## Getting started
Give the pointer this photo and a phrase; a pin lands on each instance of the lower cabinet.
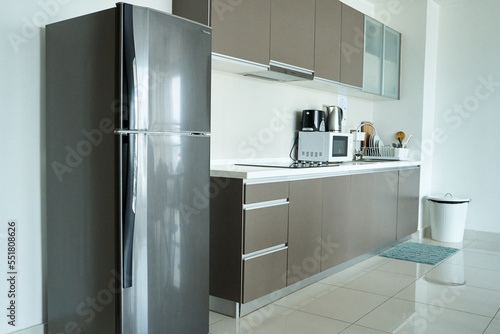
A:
(304, 229)
(373, 207)
(340, 237)
(265, 227)
(263, 274)
(226, 225)
(359, 215)
(248, 238)
(266, 236)
(408, 201)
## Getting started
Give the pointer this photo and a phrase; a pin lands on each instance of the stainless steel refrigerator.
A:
(127, 173)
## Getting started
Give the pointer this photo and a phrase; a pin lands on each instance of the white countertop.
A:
(253, 173)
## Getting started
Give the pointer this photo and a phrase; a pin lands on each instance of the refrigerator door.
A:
(166, 72)
(168, 286)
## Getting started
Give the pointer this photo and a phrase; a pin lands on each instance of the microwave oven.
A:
(325, 146)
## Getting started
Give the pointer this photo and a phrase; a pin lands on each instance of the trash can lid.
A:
(448, 199)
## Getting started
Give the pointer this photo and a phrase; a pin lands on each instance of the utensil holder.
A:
(401, 153)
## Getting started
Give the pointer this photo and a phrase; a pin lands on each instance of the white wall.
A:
(466, 159)
(429, 99)
(365, 6)
(409, 18)
(21, 135)
(258, 119)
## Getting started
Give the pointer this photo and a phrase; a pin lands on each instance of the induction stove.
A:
(290, 164)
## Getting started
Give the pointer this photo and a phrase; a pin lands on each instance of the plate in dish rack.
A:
(376, 143)
(380, 145)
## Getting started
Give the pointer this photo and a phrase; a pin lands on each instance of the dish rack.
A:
(376, 149)
(385, 153)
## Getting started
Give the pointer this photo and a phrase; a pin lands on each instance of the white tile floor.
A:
(381, 295)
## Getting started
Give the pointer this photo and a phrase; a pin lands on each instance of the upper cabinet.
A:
(242, 30)
(288, 40)
(292, 32)
(391, 65)
(194, 10)
(373, 53)
(381, 59)
(351, 55)
(327, 39)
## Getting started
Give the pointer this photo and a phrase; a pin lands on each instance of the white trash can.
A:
(448, 215)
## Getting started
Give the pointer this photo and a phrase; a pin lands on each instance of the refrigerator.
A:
(127, 156)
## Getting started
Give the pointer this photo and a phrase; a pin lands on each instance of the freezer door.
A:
(166, 289)
(166, 72)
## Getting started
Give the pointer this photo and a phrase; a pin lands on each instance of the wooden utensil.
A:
(400, 136)
(368, 130)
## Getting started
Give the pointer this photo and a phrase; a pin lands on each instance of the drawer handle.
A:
(263, 252)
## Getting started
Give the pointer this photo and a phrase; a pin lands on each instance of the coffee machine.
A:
(313, 120)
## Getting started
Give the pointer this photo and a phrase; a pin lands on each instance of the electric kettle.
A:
(335, 116)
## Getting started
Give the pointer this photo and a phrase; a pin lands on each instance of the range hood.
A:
(275, 71)
(282, 72)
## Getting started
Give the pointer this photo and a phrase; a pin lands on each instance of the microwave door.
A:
(339, 146)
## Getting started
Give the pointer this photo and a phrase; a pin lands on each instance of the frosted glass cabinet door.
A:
(392, 40)
(372, 63)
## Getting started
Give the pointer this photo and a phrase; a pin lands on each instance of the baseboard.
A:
(38, 329)
(468, 235)
(488, 236)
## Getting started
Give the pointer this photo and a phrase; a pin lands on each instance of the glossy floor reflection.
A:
(381, 295)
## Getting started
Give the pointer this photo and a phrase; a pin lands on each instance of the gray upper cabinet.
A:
(327, 39)
(292, 32)
(391, 64)
(241, 29)
(194, 10)
(351, 55)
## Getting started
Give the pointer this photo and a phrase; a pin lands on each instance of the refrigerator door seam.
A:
(167, 133)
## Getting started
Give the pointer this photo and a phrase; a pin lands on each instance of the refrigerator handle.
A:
(129, 198)
(129, 67)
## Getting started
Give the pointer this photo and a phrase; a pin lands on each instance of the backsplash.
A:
(258, 119)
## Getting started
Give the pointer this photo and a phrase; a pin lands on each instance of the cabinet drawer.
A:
(262, 192)
(264, 274)
(265, 227)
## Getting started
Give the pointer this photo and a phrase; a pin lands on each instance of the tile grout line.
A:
(364, 327)
(444, 307)
(491, 321)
